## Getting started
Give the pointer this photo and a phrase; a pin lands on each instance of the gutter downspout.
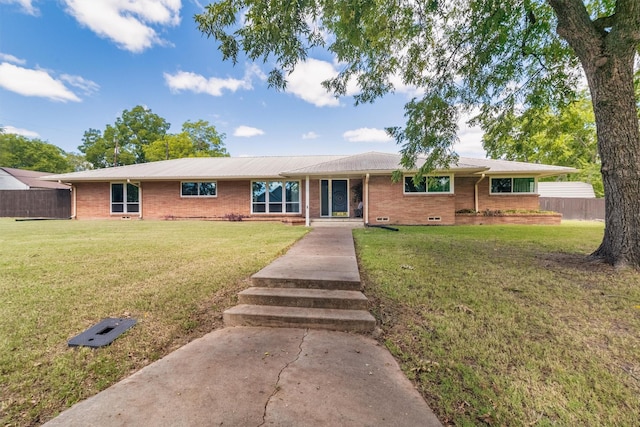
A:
(74, 210)
(366, 199)
(475, 193)
(307, 221)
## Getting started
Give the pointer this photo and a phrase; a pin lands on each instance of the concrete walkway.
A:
(257, 376)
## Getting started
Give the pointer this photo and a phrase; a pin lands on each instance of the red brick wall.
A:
(509, 219)
(464, 188)
(386, 199)
(314, 198)
(92, 200)
(465, 192)
(504, 201)
(162, 200)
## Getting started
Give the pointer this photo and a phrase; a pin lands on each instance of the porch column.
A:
(307, 222)
(365, 214)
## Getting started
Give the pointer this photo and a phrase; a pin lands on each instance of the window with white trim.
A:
(431, 184)
(198, 189)
(513, 185)
(275, 197)
(125, 198)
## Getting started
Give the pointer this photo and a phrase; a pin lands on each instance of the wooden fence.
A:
(574, 208)
(35, 203)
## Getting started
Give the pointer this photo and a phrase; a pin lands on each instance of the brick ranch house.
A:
(300, 189)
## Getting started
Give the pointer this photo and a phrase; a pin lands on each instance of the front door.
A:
(334, 198)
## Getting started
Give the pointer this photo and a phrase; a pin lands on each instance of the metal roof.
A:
(508, 166)
(275, 167)
(197, 168)
(32, 179)
(371, 162)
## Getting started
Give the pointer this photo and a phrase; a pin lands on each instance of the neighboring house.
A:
(304, 188)
(24, 194)
(20, 179)
(568, 189)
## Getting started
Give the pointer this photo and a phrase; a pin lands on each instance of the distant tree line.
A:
(137, 136)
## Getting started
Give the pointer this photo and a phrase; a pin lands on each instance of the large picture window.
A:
(125, 198)
(513, 185)
(275, 197)
(429, 184)
(198, 189)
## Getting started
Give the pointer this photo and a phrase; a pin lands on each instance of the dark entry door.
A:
(334, 197)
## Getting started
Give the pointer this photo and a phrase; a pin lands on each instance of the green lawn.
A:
(498, 325)
(508, 325)
(57, 278)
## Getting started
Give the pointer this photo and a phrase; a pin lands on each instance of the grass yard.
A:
(508, 325)
(57, 278)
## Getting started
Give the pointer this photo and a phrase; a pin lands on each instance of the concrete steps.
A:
(338, 222)
(309, 298)
(316, 284)
(300, 317)
(333, 309)
(312, 283)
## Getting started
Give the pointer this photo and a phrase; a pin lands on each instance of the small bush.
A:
(234, 217)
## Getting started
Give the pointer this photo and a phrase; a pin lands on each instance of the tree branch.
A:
(604, 22)
(576, 27)
(626, 30)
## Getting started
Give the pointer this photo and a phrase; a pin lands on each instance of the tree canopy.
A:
(495, 55)
(565, 137)
(197, 139)
(20, 152)
(140, 136)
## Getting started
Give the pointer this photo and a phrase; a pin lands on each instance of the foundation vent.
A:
(382, 219)
(434, 219)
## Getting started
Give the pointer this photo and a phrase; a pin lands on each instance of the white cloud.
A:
(253, 70)
(5, 57)
(86, 86)
(310, 135)
(400, 87)
(469, 138)
(30, 82)
(187, 81)
(247, 131)
(26, 5)
(305, 82)
(18, 131)
(128, 23)
(367, 135)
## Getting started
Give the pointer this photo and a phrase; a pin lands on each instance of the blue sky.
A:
(70, 65)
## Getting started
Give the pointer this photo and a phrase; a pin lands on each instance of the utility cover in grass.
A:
(103, 333)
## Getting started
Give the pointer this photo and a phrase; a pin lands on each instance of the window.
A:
(513, 185)
(198, 189)
(125, 198)
(275, 196)
(429, 184)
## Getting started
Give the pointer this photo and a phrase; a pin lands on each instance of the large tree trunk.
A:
(606, 48)
(614, 103)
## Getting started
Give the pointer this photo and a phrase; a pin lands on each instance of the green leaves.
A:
(140, 136)
(197, 139)
(564, 137)
(17, 151)
(490, 53)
